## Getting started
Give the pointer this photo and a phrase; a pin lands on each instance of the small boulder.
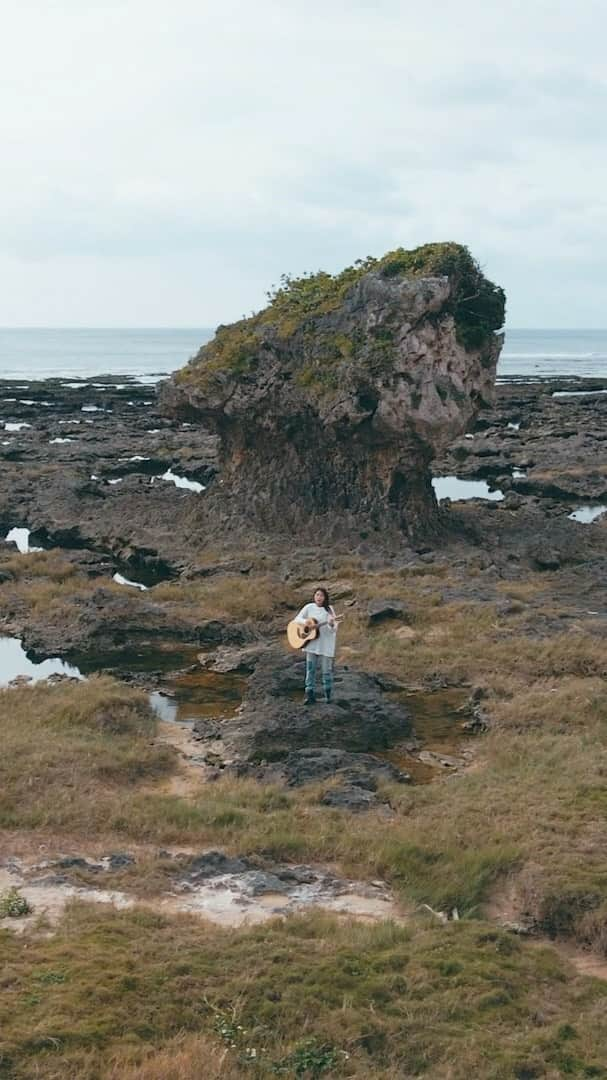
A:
(119, 859)
(231, 661)
(381, 610)
(546, 559)
(354, 799)
(215, 864)
(358, 770)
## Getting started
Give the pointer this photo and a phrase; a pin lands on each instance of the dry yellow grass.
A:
(187, 1057)
(235, 597)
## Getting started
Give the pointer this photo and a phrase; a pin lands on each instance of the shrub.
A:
(13, 905)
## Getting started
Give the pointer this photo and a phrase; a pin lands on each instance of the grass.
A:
(79, 759)
(73, 756)
(526, 826)
(50, 585)
(234, 597)
(312, 996)
(51, 565)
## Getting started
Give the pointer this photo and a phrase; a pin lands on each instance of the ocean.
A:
(79, 353)
(149, 353)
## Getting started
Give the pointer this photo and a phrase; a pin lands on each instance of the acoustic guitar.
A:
(299, 634)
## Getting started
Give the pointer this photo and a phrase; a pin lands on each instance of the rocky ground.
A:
(90, 468)
(84, 467)
(459, 769)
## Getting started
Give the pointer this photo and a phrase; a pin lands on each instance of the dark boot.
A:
(328, 697)
(310, 698)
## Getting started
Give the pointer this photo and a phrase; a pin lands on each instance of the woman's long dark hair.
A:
(326, 604)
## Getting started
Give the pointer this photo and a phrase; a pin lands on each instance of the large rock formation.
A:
(335, 398)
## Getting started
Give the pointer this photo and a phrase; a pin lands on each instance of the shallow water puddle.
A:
(451, 487)
(587, 514)
(198, 694)
(438, 727)
(185, 691)
(149, 657)
(120, 580)
(182, 697)
(14, 662)
(21, 537)
(183, 482)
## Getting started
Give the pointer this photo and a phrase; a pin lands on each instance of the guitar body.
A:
(299, 634)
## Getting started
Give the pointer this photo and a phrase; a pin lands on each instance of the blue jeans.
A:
(326, 666)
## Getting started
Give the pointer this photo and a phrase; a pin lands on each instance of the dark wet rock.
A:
(359, 770)
(381, 610)
(118, 860)
(260, 882)
(219, 632)
(546, 559)
(77, 862)
(512, 502)
(269, 725)
(48, 486)
(556, 444)
(215, 864)
(102, 621)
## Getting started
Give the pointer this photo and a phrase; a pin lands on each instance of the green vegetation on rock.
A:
(299, 303)
(477, 305)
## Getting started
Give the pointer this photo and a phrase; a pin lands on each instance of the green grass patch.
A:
(312, 996)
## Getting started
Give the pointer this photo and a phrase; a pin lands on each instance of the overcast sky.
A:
(164, 163)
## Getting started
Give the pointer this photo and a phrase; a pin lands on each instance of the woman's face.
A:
(319, 598)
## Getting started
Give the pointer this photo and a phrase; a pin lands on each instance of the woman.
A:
(322, 646)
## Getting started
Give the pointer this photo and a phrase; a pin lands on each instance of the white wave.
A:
(542, 354)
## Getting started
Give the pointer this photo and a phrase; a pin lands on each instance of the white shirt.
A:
(324, 644)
